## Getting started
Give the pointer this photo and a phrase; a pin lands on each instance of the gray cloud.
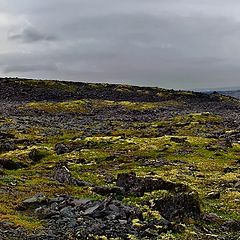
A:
(29, 68)
(30, 35)
(168, 43)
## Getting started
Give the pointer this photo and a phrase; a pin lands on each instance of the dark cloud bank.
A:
(155, 43)
(30, 35)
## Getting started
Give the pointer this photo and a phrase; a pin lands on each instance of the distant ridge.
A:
(234, 88)
(228, 91)
(17, 89)
(235, 93)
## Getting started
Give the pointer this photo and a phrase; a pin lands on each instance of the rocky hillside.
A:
(235, 93)
(99, 161)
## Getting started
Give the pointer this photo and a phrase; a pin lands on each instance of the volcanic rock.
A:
(179, 207)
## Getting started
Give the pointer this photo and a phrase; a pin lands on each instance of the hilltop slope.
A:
(101, 161)
(235, 93)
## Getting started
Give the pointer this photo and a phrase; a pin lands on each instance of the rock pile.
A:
(83, 218)
(137, 186)
(63, 175)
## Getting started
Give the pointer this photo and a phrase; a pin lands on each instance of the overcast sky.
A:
(182, 44)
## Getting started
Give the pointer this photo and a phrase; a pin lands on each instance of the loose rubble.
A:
(98, 161)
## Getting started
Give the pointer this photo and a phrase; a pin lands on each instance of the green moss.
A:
(86, 105)
(197, 161)
(5, 121)
(72, 106)
(48, 84)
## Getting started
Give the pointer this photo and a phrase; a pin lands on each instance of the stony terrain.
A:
(98, 161)
(234, 93)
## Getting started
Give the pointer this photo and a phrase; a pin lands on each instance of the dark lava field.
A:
(100, 161)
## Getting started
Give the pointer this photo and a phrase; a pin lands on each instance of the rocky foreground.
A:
(99, 161)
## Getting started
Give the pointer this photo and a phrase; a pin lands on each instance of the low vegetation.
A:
(98, 139)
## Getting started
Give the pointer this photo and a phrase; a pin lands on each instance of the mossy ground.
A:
(198, 161)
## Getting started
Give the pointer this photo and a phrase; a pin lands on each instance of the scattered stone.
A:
(211, 217)
(110, 158)
(155, 163)
(109, 179)
(32, 203)
(68, 218)
(228, 143)
(67, 212)
(212, 147)
(193, 168)
(113, 210)
(6, 225)
(133, 185)
(81, 218)
(4, 136)
(237, 185)
(36, 155)
(45, 213)
(10, 164)
(162, 226)
(200, 175)
(61, 148)
(179, 162)
(225, 184)
(105, 191)
(229, 169)
(231, 225)
(80, 161)
(63, 175)
(7, 146)
(80, 202)
(213, 195)
(178, 139)
(179, 207)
